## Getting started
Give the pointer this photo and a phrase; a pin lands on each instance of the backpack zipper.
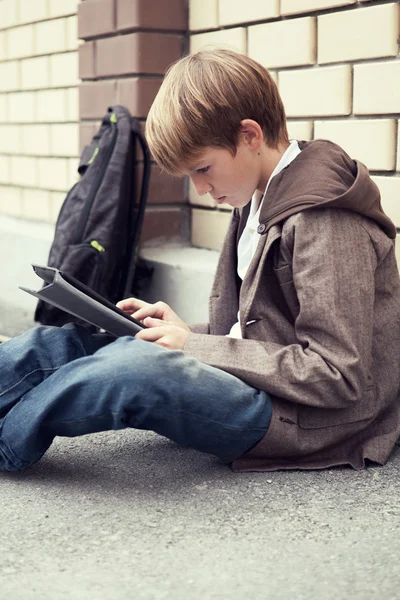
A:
(96, 185)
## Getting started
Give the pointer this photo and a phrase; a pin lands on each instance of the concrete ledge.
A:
(182, 278)
(182, 275)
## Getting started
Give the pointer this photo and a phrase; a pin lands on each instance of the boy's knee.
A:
(145, 358)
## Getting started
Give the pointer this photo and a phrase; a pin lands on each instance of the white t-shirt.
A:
(249, 239)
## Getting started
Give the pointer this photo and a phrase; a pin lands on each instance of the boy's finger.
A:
(131, 304)
(150, 310)
(151, 335)
(151, 322)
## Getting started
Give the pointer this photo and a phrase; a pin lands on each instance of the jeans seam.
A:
(27, 375)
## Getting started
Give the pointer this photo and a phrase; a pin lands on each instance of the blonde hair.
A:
(202, 101)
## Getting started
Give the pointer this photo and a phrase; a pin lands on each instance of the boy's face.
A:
(228, 179)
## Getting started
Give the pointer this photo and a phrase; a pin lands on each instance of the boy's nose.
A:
(202, 187)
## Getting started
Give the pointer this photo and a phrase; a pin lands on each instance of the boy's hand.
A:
(167, 335)
(161, 314)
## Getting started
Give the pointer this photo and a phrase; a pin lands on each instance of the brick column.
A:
(128, 45)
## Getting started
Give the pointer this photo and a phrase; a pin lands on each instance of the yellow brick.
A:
(236, 11)
(316, 92)
(358, 34)
(36, 205)
(398, 146)
(53, 174)
(3, 45)
(8, 13)
(61, 8)
(390, 194)
(10, 139)
(10, 201)
(22, 107)
(24, 171)
(72, 99)
(51, 106)
(64, 69)
(377, 88)
(35, 73)
(4, 116)
(291, 7)
(65, 139)
(300, 130)
(36, 140)
(234, 39)
(72, 33)
(51, 37)
(56, 201)
(32, 10)
(372, 142)
(20, 42)
(265, 42)
(5, 173)
(9, 76)
(203, 14)
(209, 228)
(197, 200)
(73, 176)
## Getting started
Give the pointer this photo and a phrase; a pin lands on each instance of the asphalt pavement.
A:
(131, 515)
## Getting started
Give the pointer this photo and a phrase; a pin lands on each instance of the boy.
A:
(298, 366)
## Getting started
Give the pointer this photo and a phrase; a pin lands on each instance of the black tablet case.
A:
(69, 294)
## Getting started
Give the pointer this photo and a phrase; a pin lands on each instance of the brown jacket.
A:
(323, 291)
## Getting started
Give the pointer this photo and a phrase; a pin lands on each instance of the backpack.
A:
(98, 228)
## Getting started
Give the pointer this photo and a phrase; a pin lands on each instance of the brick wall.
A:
(336, 63)
(337, 66)
(38, 106)
(128, 44)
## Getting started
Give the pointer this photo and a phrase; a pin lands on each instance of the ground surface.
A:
(129, 514)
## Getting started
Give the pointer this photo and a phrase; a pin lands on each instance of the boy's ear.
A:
(251, 133)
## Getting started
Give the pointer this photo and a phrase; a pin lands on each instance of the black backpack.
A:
(98, 228)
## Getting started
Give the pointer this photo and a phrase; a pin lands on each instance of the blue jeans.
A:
(67, 382)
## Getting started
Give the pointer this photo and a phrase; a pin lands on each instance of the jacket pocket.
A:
(284, 273)
(319, 418)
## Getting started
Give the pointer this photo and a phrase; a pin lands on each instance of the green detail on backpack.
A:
(97, 246)
(113, 118)
(95, 153)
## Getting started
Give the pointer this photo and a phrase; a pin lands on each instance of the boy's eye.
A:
(203, 170)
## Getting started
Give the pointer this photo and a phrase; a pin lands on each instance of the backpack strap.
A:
(137, 135)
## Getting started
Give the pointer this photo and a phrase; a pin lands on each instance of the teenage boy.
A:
(298, 366)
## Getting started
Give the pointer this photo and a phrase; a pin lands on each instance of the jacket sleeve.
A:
(200, 328)
(334, 264)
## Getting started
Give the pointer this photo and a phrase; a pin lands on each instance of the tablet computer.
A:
(69, 294)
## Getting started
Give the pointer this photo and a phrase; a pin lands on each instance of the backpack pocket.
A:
(84, 261)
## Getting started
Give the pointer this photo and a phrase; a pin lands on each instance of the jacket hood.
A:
(323, 176)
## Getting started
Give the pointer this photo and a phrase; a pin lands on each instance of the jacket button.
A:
(262, 228)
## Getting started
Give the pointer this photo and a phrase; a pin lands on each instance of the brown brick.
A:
(86, 132)
(162, 222)
(135, 53)
(95, 98)
(152, 14)
(96, 17)
(137, 94)
(87, 60)
(163, 188)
